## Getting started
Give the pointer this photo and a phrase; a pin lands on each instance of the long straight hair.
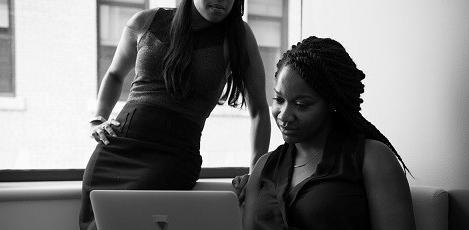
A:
(178, 58)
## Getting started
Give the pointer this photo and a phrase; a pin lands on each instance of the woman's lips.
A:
(216, 8)
(287, 131)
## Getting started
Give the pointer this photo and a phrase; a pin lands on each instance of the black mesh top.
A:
(208, 69)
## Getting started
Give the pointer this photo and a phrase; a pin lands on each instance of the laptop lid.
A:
(165, 210)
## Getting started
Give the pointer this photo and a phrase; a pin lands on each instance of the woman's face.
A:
(300, 113)
(214, 10)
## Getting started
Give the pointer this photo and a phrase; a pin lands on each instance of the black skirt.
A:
(155, 149)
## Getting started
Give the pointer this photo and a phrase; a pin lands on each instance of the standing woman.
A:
(335, 170)
(184, 58)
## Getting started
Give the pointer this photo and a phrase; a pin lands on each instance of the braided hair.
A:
(327, 67)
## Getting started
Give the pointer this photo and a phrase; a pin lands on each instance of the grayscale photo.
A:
(234, 115)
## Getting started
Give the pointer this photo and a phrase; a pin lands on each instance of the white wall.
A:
(416, 57)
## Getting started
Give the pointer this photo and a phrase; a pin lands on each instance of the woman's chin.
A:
(290, 139)
(215, 19)
(214, 16)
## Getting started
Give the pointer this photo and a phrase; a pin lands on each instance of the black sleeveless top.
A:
(208, 68)
(332, 198)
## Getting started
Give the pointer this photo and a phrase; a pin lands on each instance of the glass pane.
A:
(4, 14)
(6, 77)
(112, 21)
(267, 33)
(270, 57)
(265, 17)
(271, 8)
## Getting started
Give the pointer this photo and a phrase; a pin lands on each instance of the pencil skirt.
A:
(155, 149)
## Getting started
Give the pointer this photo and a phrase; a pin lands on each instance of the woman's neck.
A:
(315, 144)
(198, 21)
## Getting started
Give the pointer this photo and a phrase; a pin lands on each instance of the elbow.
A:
(114, 77)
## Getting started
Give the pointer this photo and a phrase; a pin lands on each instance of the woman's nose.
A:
(285, 114)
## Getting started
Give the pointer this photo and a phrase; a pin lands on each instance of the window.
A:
(268, 21)
(6, 49)
(58, 63)
(112, 18)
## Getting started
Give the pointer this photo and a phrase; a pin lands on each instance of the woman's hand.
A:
(98, 131)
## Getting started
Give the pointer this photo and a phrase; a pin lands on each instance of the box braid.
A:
(327, 67)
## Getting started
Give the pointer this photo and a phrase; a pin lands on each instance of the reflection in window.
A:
(268, 21)
(6, 50)
(112, 18)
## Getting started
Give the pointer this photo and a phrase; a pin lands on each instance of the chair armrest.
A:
(430, 207)
(458, 209)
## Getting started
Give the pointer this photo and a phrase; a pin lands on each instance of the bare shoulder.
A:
(379, 159)
(377, 149)
(247, 27)
(260, 164)
(140, 21)
(388, 193)
(250, 39)
(254, 58)
(261, 161)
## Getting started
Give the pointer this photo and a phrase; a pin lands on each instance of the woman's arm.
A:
(256, 99)
(388, 192)
(111, 85)
(240, 182)
(122, 62)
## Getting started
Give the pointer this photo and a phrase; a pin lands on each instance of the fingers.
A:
(114, 122)
(95, 136)
(102, 136)
(110, 131)
(99, 131)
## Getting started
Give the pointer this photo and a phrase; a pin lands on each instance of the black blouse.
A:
(332, 198)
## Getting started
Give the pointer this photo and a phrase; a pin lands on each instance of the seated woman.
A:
(336, 170)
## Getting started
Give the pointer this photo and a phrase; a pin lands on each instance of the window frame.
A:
(28, 175)
(10, 31)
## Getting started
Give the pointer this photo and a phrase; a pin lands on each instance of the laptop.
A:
(165, 210)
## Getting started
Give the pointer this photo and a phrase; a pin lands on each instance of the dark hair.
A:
(177, 61)
(327, 67)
